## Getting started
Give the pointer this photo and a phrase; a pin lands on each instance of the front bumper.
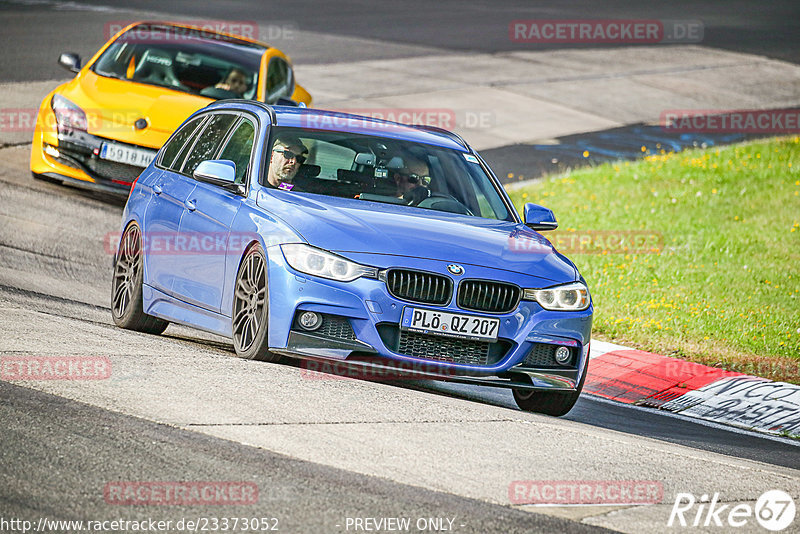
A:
(372, 342)
(75, 160)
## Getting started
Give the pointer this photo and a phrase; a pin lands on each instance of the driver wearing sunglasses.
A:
(287, 157)
(412, 181)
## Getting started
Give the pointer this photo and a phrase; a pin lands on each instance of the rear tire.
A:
(555, 403)
(250, 317)
(126, 289)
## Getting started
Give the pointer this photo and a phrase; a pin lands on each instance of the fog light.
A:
(310, 320)
(563, 355)
(50, 150)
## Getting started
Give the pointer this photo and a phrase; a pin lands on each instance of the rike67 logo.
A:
(774, 510)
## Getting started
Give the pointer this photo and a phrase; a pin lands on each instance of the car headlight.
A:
(569, 297)
(68, 115)
(317, 262)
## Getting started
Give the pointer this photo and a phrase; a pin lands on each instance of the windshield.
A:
(182, 59)
(382, 170)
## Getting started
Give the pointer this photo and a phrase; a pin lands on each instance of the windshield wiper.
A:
(110, 75)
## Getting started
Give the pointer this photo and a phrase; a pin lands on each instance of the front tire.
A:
(555, 403)
(250, 317)
(126, 289)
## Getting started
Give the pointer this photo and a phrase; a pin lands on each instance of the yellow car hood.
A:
(113, 106)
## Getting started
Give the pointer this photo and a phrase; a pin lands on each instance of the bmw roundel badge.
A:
(455, 269)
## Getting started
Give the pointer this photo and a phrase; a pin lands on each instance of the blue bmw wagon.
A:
(353, 241)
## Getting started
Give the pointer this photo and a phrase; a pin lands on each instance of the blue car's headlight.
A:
(569, 297)
(317, 262)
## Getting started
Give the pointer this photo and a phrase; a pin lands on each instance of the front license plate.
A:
(450, 324)
(139, 157)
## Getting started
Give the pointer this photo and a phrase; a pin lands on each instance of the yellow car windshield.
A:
(182, 59)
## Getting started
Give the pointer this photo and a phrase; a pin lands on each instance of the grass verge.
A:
(693, 254)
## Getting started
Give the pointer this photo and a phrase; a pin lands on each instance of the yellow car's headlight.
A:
(68, 115)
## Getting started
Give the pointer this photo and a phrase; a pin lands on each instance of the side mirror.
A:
(539, 218)
(221, 172)
(70, 61)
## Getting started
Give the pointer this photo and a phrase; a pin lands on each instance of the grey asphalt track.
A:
(58, 455)
(327, 32)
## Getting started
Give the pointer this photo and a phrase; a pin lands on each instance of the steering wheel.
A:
(444, 202)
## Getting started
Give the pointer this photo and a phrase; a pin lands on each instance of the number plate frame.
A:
(132, 155)
(425, 324)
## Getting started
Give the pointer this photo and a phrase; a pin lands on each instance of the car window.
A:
(177, 142)
(393, 171)
(181, 157)
(208, 141)
(330, 157)
(239, 147)
(183, 60)
(278, 80)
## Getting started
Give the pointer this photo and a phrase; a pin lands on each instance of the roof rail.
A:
(452, 135)
(266, 107)
(273, 117)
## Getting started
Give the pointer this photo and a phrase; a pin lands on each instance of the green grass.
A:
(724, 289)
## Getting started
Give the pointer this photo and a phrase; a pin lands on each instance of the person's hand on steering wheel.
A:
(412, 197)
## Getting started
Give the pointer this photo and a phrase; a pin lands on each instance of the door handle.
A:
(157, 189)
(190, 205)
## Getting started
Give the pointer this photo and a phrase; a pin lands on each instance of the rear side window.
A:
(175, 144)
(239, 147)
(209, 141)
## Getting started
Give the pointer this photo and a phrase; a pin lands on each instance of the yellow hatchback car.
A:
(103, 127)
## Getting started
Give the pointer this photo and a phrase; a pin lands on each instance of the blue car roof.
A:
(319, 119)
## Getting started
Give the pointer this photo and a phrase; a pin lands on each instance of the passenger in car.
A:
(287, 157)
